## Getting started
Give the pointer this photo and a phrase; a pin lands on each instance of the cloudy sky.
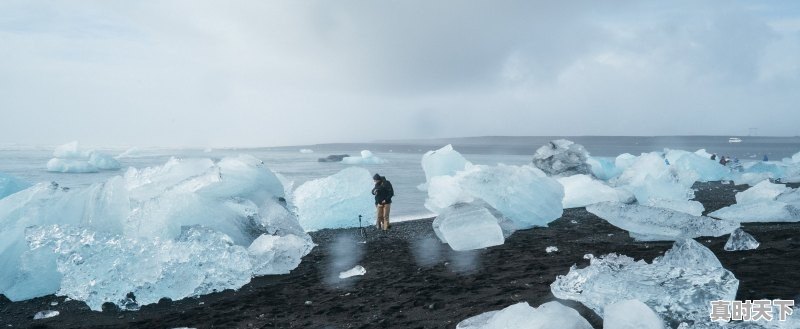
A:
(262, 73)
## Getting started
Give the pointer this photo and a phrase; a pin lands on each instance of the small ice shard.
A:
(551, 249)
(335, 201)
(763, 191)
(45, 314)
(582, 190)
(103, 161)
(306, 151)
(355, 271)
(366, 158)
(468, 226)
(763, 211)
(630, 314)
(523, 316)
(443, 162)
(562, 157)
(53, 303)
(678, 286)
(741, 240)
(10, 185)
(658, 224)
(70, 166)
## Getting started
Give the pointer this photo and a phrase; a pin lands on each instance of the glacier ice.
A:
(624, 160)
(366, 158)
(630, 314)
(468, 226)
(658, 224)
(70, 166)
(751, 178)
(692, 164)
(523, 194)
(764, 167)
(69, 150)
(170, 219)
(551, 249)
(562, 157)
(703, 153)
(103, 161)
(355, 271)
(762, 211)
(443, 162)
(762, 191)
(694, 208)
(45, 314)
(603, 168)
(69, 158)
(523, 316)
(678, 286)
(10, 185)
(648, 176)
(582, 190)
(740, 240)
(335, 201)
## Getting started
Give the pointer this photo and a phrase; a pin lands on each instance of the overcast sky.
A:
(263, 73)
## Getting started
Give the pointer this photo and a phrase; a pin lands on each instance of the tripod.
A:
(362, 230)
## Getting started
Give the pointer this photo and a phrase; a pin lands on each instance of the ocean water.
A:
(403, 167)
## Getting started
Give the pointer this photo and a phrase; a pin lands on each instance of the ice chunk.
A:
(562, 157)
(649, 177)
(791, 196)
(764, 167)
(366, 158)
(69, 150)
(70, 166)
(740, 240)
(624, 160)
(693, 208)
(603, 168)
(45, 314)
(751, 178)
(763, 211)
(657, 224)
(273, 254)
(703, 153)
(130, 153)
(103, 161)
(763, 191)
(551, 249)
(335, 201)
(523, 194)
(306, 151)
(10, 185)
(355, 271)
(678, 286)
(523, 316)
(467, 226)
(443, 162)
(583, 190)
(688, 164)
(630, 314)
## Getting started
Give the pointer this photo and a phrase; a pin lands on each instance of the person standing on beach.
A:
(383, 193)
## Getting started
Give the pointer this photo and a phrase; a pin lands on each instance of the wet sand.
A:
(413, 281)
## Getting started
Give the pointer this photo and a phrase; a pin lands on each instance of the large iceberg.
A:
(10, 185)
(630, 314)
(468, 226)
(188, 227)
(523, 194)
(658, 224)
(335, 201)
(582, 190)
(523, 316)
(562, 157)
(678, 286)
(366, 158)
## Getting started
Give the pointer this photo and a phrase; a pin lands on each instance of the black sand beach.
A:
(412, 281)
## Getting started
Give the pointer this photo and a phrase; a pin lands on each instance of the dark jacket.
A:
(383, 191)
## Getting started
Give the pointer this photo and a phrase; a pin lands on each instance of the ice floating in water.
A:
(177, 230)
(335, 201)
(657, 224)
(740, 240)
(523, 316)
(45, 314)
(583, 190)
(443, 162)
(306, 151)
(763, 211)
(630, 314)
(70, 166)
(103, 161)
(69, 150)
(678, 286)
(366, 158)
(355, 271)
(68, 158)
(10, 185)
(523, 194)
(562, 157)
(468, 226)
(551, 249)
(130, 153)
(763, 191)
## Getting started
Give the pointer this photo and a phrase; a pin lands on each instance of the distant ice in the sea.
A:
(69, 158)
(335, 201)
(366, 158)
(740, 240)
(678, 286)
(646, 223)
(306, 151)
(468, 226)
(562, 157)
(630, 314)
(355, 271)
(523, 316)
(10, 185)
(177, 230)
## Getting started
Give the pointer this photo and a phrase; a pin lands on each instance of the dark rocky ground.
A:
(412, 281)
